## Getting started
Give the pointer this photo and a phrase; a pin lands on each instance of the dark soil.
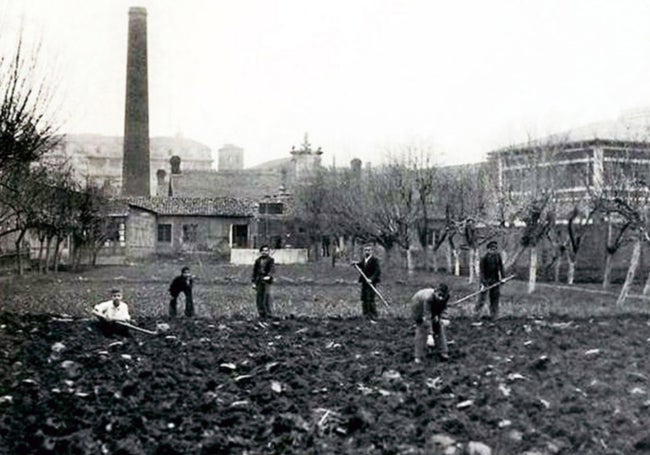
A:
(324, 386)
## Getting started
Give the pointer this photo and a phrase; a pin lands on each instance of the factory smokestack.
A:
(135, 167)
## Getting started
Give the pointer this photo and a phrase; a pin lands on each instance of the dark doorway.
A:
(240, 236)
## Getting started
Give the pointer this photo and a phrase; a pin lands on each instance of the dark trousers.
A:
(494, 300)
(263, 300)
(189, 305)
(368, 305)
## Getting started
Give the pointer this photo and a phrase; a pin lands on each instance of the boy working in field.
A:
(262, 278)
(182, 284)
(430, 302)
(111, 312)
(369, 269)
(491, 272)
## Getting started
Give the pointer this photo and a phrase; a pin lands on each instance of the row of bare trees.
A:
(411, 204)
(397, 205)
(38, 198)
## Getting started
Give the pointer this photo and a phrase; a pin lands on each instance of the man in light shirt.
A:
(112, 311)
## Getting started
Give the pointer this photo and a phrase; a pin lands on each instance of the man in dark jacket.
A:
(263, 270)
(182, 284)
(491, 272)
(430, 302)
(369, 265)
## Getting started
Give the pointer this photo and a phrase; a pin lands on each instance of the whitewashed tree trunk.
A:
(433, 254)
(456, 262)
(629, 278)
(470, 260)
(410, 260)
(556, 269)
(607, 274)
(474, 262)
(449, 258)
(532, 271)
(571, 273)
(646, 288)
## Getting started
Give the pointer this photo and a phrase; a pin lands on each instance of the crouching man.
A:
(430, 302)
(183, 283)
(110, 313)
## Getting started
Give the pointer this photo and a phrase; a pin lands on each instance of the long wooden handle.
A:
(372, 286)
(498, 283)
(135, 327)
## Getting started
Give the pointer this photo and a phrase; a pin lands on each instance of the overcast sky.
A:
(463, 77)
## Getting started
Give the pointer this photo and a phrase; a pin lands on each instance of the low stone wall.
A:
(283, 256)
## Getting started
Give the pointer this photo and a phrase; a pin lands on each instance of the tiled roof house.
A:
(168, 225)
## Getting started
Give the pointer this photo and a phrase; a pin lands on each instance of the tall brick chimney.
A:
(135, 167)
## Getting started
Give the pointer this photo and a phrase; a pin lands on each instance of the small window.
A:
(165, 233)
(189, 233)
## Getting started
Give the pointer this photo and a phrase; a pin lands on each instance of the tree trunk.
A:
(93, 261)
(48, 254)
(557, 268)
(449, 259)
(629, 278)
(646, 288)
(571, 273)
(470, 262)
(430, 254)
(456, 262)
(410, 260)
(41, 247)
(389, 255)
(316, 250)
(19, 257)
(78, 253)
(474, 264)
(607, 274)
(532, 271)
(57, 253)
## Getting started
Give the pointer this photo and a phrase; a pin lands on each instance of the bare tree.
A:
(539, 218)
(462, 190)
(92, 227)
(57, 216)
(579, 221)
(311, 208)
(622, 200)
(27, 129)
(531, 196)
(22, 194)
